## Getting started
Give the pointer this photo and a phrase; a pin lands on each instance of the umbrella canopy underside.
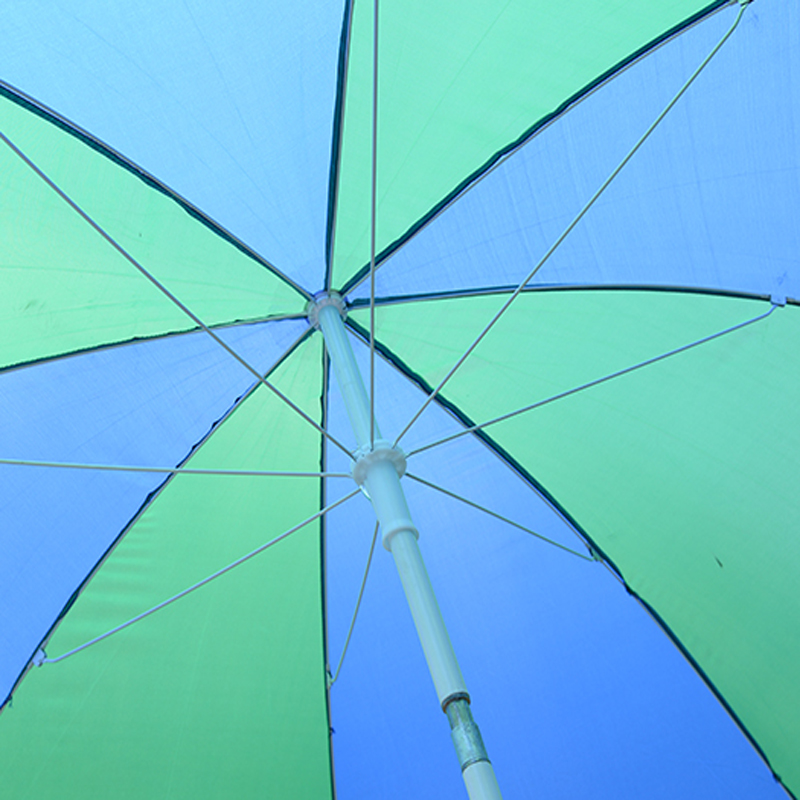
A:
(647, 377)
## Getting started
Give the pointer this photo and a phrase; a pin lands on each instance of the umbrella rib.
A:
(42, 659)
(373, 224)
(169, 335)
(508, 152)
(19, 97)
(336, 143)
(166, 292)
(485, 291)
(569, 227)
(590, 384)
(152, 496)
(477, 506)
(332, 679)
(19, 462)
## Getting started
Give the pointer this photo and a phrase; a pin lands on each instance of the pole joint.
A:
(465, 733)
(453, 697)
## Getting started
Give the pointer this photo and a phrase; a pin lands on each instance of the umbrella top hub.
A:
(381, 451)
(320, 301)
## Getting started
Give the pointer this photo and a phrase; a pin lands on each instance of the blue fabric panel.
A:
(580, 690)
(709, 201)
(142, 404)
(230, 105)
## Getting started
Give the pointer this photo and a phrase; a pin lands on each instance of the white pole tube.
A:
(378, 469)
(400, 538)
(481, 780)
(347, 372)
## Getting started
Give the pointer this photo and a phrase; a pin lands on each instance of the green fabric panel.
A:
(685, 472)
(64, 288)
(222, 693)
(459, 83)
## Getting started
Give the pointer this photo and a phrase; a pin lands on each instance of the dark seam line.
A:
(336, 140)
(151, 496)
(529, 134)
(137, 339)
(31, 105)
(698, 669)
(323, 532)
(465, 420)
(528, 478)
(388, 300)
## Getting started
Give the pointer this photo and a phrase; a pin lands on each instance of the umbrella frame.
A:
(377, 469)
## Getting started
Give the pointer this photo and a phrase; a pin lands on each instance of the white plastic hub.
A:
(366, 456)
(320, 301)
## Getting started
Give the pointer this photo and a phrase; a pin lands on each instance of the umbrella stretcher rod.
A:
(378, 468)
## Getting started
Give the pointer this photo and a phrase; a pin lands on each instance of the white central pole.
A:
(378, 468)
